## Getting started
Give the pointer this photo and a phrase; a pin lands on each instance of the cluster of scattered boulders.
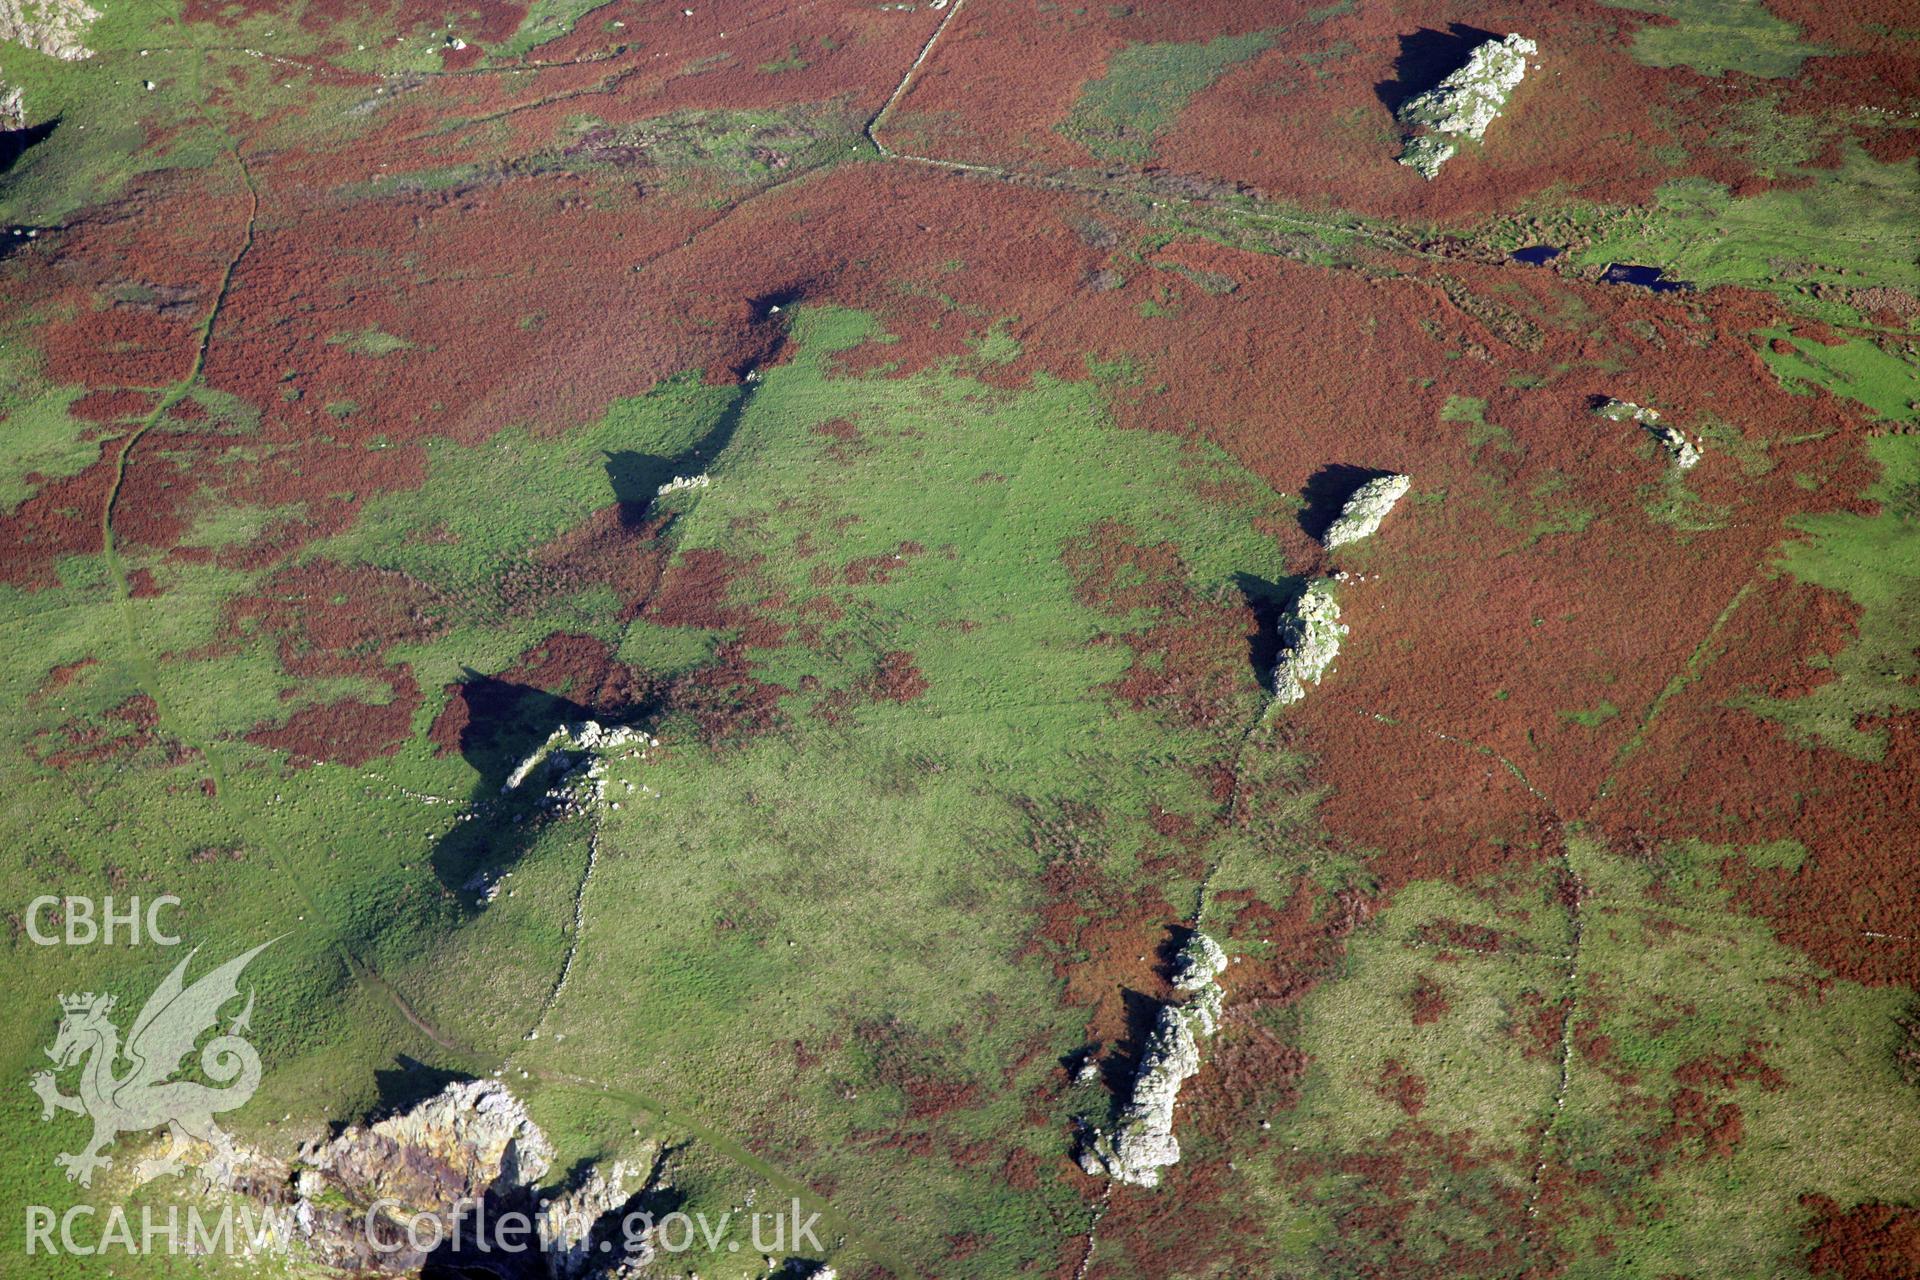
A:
(1684, 452)
(574, 758)
(678, 483)
(1463, 104)
(1142, 1142)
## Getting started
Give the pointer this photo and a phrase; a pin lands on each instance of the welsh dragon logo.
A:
(144, 1095)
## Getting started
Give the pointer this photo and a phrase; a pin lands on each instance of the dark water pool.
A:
(1653, 278)
(1536, 254)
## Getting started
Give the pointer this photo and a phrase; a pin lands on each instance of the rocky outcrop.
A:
(13, 109)
(678, 483)
(461, 1159)
(56, 28)
(574, 1253)
(472, 1140)
(1142, 1141)
(1310, 640)
(1684, 452)
(1463, 104)
(1365, 510)
(1200, 962)
(573, 747)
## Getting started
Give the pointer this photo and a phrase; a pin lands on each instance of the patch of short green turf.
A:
(1718, 36)
(1675, 985)
(1875, 561)
(1145, 87)
(372, 341)
(43, 441)
(546, 21)
(1847, 226)
(1859, 369)
(825, 934)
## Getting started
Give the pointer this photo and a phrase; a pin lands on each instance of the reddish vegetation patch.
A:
(1202, 1211)
(1374, 1195)
(1310, 119)
(725, 700)
(328, 620)
(1870, 1241)
(616, 546)
(350, 731)
(1190, 663)
(62, 675)
(1711, 771)
(894, 678)
(1427, 1001)
(1433, 808)
(699, 589)
(880, 568)
(131, 726)
(580, 670)
(61, 519)
(1402, 1087)
(1252, 1073)
(1539, 1026)
(903, 1058)
(113, 406)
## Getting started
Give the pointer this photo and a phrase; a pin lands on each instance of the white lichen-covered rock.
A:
(1465, 103)
(1203, 1011)
(1366, 509)
(1684, 452)
(13, 109)
(1199, 963)
(586, 736)
(575, 1227)
(678, 483)
(1426, 153)
(1142, 1143)
(56, 28)
(1310, 640)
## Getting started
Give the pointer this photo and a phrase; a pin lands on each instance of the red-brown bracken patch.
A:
(1402, 1087)
(580, 670)
(1428, 1000)
(726, 701)
(701, 588)
(351, 731)
(894, 678)
(58, 677)
(1870, 1241)
(113, 406)
(1309, 119)
(1712, 771)
(328, 620)
(129, 727)
(1190, 663)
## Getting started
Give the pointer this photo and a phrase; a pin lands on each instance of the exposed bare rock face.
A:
(462, 1160)
(1463, 104)
(472, 1141)
(1310, 639)
(1142, 1141)
(1365, 510)
(56, 28)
